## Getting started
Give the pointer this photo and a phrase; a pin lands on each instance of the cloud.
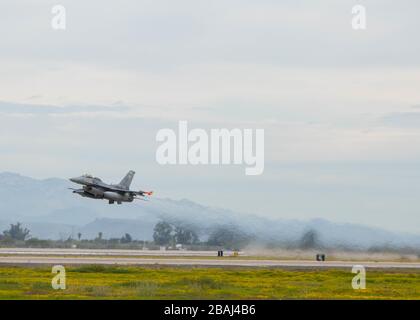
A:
(162, 34)
(403, 119)
(91, 98)
(35, 109)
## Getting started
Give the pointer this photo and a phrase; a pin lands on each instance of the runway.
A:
(176, 258)
(107, 252)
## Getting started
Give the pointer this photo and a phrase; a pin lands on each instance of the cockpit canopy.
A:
(91, 177)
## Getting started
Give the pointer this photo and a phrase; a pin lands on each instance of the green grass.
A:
(111, 282)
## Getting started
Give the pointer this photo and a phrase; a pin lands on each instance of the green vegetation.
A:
(162, 233)
(175, 235)
(110, 282)
(165, 233)
(229, 237)
(310, 240)
(15, 233)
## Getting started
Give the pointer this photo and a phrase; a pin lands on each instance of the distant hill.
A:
(50, 210)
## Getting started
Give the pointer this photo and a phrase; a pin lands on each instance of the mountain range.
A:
(51, 211)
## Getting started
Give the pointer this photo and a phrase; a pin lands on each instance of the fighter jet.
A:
(94, 188)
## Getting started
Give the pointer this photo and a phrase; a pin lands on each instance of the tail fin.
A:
(126, 182)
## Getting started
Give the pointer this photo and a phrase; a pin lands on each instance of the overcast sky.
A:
(340, 108)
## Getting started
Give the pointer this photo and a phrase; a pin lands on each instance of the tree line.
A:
(226, 236)
(164, 234)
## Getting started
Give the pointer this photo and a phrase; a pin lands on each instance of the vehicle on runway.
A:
(95, 188)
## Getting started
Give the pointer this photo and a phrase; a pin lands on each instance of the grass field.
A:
(109, 282)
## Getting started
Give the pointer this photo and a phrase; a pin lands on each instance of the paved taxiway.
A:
(173, 258)
(106, 252)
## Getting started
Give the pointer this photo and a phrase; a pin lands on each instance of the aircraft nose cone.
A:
(75, 180)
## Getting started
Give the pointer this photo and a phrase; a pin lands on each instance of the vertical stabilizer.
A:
(126, 182)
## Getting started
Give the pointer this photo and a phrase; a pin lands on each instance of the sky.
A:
(340, 107)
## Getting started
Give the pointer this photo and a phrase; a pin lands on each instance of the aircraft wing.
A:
(109, 187)
(116, 188)
(121, 190)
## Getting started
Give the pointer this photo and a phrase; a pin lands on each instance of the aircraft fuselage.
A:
(94, 188)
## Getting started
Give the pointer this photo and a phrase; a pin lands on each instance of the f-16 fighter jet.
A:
(94, 188)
